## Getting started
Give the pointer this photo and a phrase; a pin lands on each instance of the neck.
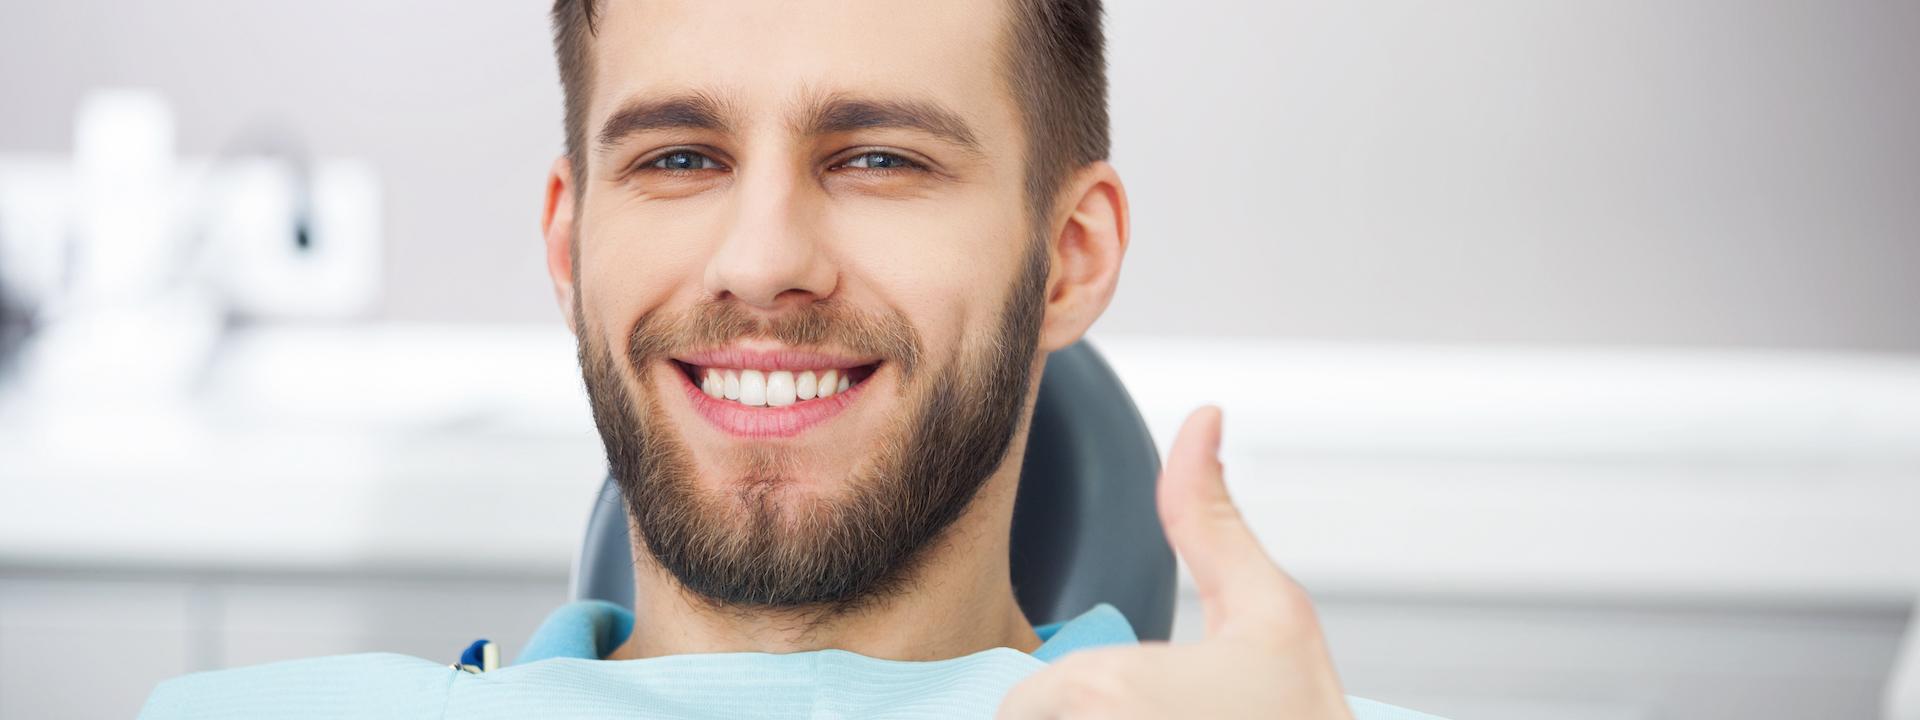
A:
(958, 600)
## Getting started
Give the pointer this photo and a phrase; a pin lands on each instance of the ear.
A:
(1087, 246)
(557, 225)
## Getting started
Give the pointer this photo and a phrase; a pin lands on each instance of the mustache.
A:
(829, 323)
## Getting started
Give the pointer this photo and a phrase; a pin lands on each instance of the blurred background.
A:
(1570, 351)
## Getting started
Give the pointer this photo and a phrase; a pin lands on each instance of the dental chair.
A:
(1084, 526)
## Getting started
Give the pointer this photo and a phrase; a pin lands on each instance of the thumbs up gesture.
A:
(1263, 656)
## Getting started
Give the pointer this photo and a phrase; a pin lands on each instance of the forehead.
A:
(767, 55)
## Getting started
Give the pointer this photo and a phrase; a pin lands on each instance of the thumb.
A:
(1232, 573)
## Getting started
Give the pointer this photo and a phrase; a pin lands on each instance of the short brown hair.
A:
(1055, 60)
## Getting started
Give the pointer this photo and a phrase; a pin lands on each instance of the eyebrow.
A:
(697, 111)
(829, 115)
(841, 114)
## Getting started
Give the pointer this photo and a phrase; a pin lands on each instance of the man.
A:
(815, 255)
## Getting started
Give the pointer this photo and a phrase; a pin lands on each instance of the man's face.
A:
(806, 288)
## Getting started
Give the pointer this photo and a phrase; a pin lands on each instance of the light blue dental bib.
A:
(560, 675)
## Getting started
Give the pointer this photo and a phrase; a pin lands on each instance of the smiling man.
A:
(815, 255)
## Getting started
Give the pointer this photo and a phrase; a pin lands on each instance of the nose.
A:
(771, 255)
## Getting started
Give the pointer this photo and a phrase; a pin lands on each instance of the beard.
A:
(744, 542)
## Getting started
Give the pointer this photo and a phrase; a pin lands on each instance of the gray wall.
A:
(1650, 171)
(1705, 173)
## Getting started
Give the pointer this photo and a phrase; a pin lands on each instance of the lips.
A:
(771, 394)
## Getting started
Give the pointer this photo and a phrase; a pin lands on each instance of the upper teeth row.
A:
(779, 388)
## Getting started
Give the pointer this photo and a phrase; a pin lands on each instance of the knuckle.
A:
(1286, 591)
(1205, 513)
(1294, 600)
(1220, 509)
(1294, 615)
(1094, 683)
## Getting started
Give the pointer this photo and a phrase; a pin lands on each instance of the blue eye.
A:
(683, 160)
(879, 161)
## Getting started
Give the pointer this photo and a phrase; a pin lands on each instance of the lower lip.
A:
(767, 422)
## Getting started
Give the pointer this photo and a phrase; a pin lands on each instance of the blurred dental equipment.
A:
(121, 264)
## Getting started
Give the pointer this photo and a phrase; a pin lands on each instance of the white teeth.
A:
(772, 388)
(753, 387)
(780, 390)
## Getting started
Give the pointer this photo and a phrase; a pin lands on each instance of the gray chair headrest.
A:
(1084, 526)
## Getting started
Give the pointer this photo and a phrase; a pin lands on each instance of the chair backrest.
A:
(1084, 526)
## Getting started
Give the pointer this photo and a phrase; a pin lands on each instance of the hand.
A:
(1263, 655)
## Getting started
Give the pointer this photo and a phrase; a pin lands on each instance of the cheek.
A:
(945, 264)
(635, 259)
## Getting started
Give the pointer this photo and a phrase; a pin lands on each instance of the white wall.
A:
(1703, 172)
